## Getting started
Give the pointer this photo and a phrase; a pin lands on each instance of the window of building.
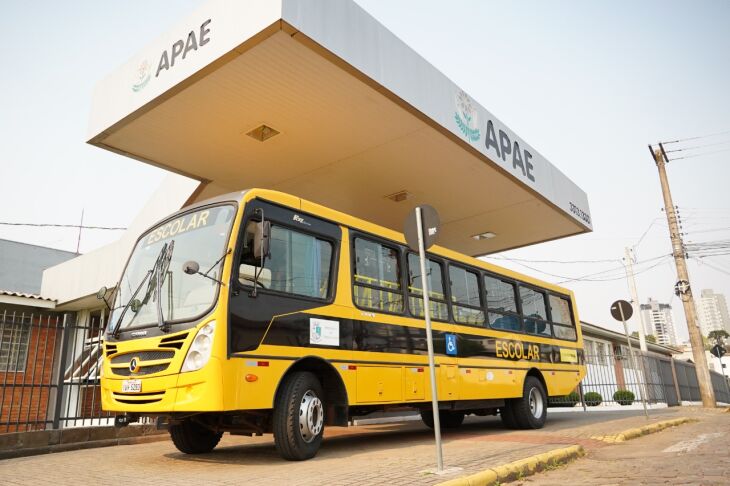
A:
(466, 304)
(436, 295)
(377, 277)
(501, 304)
(602, 353)
(589, 351)
(534, 312)
(299, 263)
(14, 342)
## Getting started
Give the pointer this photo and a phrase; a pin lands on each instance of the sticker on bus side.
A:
(323, 332)
(568, 355)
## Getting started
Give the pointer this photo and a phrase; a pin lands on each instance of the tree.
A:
(718, 336)
(650, 338)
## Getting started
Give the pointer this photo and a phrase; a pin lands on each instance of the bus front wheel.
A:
(528, 411)
(192, 438)
(298, 420)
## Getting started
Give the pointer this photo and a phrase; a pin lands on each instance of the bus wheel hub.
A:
(311, 416)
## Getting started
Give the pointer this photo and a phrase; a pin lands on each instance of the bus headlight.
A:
(199, 352)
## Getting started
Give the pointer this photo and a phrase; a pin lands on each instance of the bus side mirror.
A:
(262, 235)
(101, 293)
(191, 267)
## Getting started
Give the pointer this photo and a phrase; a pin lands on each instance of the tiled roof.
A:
(23, 294)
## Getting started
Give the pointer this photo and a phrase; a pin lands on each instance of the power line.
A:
(697, 138)
(587, 277)
(699, 155)
(51, 225)
(695, 147)
(552, 261)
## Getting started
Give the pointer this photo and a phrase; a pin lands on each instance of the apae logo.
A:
(144, 73)
(466, 117)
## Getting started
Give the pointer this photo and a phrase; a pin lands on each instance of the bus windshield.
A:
(200, 236)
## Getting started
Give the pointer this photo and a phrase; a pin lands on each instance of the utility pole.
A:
(682, 287)
(635, 297)
(81, 225)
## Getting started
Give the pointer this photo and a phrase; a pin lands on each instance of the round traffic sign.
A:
(621, 310)
(430, 223)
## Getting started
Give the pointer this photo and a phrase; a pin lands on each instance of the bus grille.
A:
(144, 370)
(143, 356)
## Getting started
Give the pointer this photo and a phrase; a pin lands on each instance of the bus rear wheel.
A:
(449, 420)
(298, 420)
(530, 411)
(192, 438)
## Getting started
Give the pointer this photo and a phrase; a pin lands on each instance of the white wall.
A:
(84, 275)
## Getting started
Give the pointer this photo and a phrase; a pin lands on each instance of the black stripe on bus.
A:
(293, 330)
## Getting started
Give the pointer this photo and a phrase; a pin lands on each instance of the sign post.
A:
(622, 310)
(421, 232)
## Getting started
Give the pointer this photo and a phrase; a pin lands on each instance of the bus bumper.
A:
(196, 391)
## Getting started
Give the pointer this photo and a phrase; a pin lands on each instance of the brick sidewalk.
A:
(393, 454)
(693, 454)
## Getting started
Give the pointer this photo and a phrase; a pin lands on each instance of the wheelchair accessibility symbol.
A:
(451, 344)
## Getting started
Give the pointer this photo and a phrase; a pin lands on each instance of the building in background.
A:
(657, 319)
(713, 313)
(22, 265)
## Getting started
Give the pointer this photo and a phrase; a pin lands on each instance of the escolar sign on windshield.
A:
(180, 225)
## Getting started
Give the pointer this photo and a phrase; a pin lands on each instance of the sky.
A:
(588, 84)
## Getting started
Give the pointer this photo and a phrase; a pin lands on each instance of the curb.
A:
(518, 469)
(639, 431)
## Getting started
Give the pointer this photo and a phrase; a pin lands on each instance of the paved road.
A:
(393, 454)
(692, 454)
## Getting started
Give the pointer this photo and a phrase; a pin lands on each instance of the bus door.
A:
(298, 274)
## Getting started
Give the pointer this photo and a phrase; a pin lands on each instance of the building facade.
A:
(713, 313)
(657, 319)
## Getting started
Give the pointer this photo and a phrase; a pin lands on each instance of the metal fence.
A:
(613, 379)
(49, 371)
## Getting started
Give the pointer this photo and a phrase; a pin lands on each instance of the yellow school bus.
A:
(259, 312)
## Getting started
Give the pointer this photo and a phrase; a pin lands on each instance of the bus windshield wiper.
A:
(115, 330)
(151, 276)
(161, 274)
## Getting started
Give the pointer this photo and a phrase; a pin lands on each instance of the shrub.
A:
(624, 397)
(593, 399)
(565, 401)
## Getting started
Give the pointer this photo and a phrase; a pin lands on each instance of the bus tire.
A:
(507, 415)
(449, 420)
(298, 421)
(192, 438)
(530, 411)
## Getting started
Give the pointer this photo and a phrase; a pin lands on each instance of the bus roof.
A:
(319, 100)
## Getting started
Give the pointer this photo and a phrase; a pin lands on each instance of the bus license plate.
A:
(131, 386)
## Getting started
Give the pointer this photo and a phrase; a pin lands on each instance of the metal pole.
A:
(429, 343)
(695, 337)
(633, 359)
(635, 297)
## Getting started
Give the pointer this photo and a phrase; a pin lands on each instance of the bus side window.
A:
(436, 294)
(298, 263)
(502, 304)
(465, 302)
(534, 312)
(376, 277)
(563, 325)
